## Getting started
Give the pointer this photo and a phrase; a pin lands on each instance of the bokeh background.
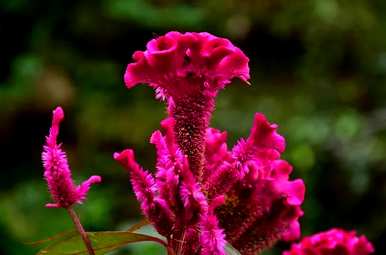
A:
(318, 69)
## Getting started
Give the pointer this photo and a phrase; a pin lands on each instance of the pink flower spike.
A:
(212, 237)
(57, 171)
(142, 181)
(153, 207)
(166, 178)
(334, 241)
(194, 201)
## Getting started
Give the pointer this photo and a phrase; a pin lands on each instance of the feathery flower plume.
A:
(145, 188)
(57, 171)
(334, 241)
(188, 70)
(212, 237)
(246, 197)
(183, 203)
(262, 205)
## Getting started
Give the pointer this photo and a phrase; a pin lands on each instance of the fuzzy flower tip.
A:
(334, 241)
(57, 171)
(187, 70)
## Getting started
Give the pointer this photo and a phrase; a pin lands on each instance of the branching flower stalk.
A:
(57, 173)
(202, 194)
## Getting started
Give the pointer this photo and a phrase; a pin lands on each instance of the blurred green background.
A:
(318, 69)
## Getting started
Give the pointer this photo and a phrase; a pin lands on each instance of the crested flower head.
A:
(334, 241)
(57, 171)
(188, 69)
(183, 64)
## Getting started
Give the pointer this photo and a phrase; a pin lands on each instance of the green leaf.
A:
(60, 236)
(138, 225)
(102, 243)
(230, 250)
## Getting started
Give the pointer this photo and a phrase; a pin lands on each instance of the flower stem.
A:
(192, 115)
(170, 250)
(81, 231)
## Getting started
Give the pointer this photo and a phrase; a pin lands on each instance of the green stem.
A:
(81, 230)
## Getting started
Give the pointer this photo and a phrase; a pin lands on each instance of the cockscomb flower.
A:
(246, 197)
(210, 194)
(331, 242)
(172, 199)
(188, 69)
(57, 172)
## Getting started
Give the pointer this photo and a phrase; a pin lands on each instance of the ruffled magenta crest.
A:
(57, 171)
(185, 63)
(334, 241)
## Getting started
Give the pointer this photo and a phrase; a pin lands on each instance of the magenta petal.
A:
(293, 232)
(281, 170)
(136, 72)
(235, 63)
(264, 135)
(294, 191)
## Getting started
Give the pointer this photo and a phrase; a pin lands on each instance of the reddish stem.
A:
(170, 250)
(81, 230)
(192, 115)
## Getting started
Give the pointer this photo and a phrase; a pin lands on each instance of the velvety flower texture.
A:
(245, 197)
(57, 172)
(203, 194)
(188, 70)
(332, 242)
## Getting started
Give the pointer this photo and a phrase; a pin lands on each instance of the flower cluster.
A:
(57, 172)
(334, 241)
(203, 194)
